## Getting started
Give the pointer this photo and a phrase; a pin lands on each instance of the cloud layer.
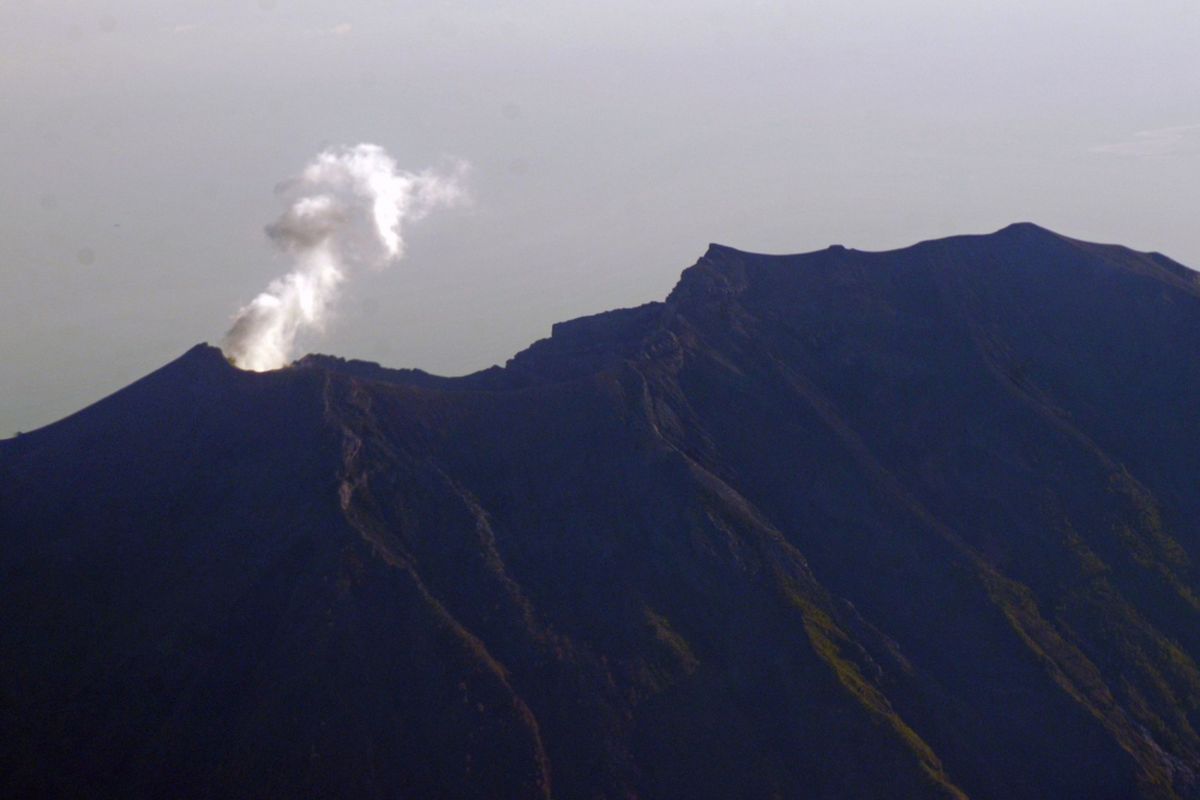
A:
(1155, 142)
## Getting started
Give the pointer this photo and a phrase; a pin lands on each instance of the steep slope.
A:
(844, 524)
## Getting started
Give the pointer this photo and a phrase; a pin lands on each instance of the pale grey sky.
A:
(610, 142)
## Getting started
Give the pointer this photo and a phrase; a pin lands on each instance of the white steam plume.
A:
(345, 210)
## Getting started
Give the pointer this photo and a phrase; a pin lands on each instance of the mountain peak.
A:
(716, 250)
(202, 356)
(1027, 229)
(1023, 230)
(701, 548)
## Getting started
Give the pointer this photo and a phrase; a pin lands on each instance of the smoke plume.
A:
(345, 210)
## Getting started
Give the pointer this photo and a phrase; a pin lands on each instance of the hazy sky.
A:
(610, 141)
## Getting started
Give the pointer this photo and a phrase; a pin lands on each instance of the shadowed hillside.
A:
(843, 524)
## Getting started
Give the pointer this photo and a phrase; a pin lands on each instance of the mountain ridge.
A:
(716, 253)
(918, 523)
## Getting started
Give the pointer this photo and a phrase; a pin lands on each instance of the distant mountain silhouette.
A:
(910, 524)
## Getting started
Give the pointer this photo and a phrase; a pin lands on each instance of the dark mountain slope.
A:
(845, 524)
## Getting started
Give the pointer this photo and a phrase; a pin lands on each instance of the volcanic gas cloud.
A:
(346, 210)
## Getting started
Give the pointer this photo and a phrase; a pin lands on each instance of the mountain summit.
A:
(909, 524)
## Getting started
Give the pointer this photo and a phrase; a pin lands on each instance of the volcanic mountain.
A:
(910, 524)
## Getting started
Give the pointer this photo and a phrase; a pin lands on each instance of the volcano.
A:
(911, 524)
